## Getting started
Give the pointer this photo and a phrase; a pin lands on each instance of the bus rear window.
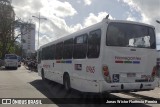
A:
(130, 35)
(10, 57)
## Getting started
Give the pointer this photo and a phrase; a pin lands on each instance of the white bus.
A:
(11, 61)
(109, 56)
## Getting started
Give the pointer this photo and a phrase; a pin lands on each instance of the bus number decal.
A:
(90, 69)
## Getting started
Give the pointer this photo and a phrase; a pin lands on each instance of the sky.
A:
(68, 16)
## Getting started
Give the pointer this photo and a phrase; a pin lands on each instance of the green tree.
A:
(6, 21)
(8, 25)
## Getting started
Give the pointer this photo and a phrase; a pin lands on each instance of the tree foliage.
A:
(8, 25)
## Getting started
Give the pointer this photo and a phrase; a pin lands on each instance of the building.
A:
(28, 39)
(7, 13)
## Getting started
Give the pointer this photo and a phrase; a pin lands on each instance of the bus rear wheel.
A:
(66, 82)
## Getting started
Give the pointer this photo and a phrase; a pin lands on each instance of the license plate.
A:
(11, 64)
(131, 74)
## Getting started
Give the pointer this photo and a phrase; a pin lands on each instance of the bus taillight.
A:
(105, 71)
(154, 71)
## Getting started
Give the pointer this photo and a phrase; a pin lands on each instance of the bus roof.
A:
(97, 25)
(10, 54)
(131, 22)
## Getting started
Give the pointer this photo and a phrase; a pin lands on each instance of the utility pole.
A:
(39, 21)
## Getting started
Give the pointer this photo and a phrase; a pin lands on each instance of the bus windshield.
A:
(10, 57)
(130, 35)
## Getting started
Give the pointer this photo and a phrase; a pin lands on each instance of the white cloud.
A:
(149, 11)
(79, 1)
(25, 9)
(131, 4)
(87, 2)
(44, 39)
(56, 27)
(130, 17)
(60, 9)
(147, 8)
(55, 11)
(75, 27)
(92, 18)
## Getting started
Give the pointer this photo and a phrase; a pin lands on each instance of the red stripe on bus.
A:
(118, 61)
(58, 61)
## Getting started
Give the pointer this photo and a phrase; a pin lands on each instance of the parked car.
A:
(1, 62)
(11, 61)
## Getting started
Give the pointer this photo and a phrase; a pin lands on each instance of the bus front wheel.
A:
(66, 82)
(42, 75)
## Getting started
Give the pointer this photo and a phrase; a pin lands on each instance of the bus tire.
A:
(66, 82)
(42, 74)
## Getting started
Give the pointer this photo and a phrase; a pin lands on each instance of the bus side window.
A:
(46, 53)
(68, 49)
(94, 40)
(43, 54)
(59, 50)
(80, 47)
(52, 52)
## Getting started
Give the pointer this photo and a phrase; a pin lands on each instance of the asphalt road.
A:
(23, 83)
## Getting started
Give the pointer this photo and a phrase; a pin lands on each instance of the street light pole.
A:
(39, 21)
(39, 28)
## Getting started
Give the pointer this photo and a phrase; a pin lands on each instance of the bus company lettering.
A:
(90, 69)
(127, 58)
